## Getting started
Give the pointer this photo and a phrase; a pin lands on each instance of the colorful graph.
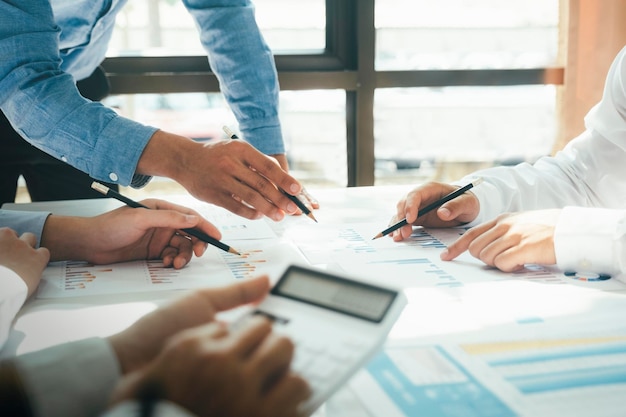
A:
(79, 275)
(246, 265)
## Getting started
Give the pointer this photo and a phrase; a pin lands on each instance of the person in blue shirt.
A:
(47, 46)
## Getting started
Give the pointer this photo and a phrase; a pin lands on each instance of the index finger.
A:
(462, 244)
(245, 292)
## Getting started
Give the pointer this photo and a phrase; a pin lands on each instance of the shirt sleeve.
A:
(72, 379)
(44, 106)
(588, 172)
(24, 221)
(591, 240)
(244, 66)
(13, 292)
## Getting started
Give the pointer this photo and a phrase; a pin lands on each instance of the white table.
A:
(479, 313)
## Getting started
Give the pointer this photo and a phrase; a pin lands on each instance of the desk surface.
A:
(470, 340)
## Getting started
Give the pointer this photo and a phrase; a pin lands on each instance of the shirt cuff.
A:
(117, 161)
(586, 240)
(24, 221)
(267, 139)
(72, 379)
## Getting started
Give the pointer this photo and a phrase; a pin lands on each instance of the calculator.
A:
(336, 322)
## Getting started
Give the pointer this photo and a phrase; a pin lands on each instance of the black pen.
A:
(431, 207)
(134, 204)
(293, 198)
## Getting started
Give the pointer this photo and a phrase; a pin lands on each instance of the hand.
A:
(310, 201)
(19, 255)
(460, 210)
(141, 342)
(212, 371)
(127, 233)
(511, 240)
(231, 174)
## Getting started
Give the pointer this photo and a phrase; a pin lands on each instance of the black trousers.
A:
(47, 178)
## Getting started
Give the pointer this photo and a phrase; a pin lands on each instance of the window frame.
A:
(346, 63)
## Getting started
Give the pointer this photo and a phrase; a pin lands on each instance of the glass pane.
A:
(461, 34)
(165, 28)
(442, 134)
(313, 126)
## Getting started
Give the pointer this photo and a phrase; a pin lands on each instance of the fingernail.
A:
(444, 212)
(190, 218)
(294, 188)
(291, 208)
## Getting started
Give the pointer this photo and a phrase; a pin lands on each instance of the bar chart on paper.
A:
(214, 268)
(561, 377)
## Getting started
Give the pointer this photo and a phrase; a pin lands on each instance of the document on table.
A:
(214, 268)
(415, 262)
(506, 348)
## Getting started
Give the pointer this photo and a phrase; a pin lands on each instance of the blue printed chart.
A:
(533, 378)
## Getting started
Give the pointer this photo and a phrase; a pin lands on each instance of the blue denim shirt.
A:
(46, 45)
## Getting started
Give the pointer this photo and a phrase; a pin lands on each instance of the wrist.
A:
(65, 237)
(166, 155)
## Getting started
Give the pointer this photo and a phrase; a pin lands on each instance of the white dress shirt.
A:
(587, 178)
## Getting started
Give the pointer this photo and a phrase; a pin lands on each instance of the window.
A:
(369, 88)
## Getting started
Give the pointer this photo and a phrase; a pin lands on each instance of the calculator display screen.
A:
(335, 293)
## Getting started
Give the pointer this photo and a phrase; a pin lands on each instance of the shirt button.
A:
(64, 158)
(113, 176)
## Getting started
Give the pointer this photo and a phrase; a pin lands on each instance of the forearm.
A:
(67, 237)
(167, 155)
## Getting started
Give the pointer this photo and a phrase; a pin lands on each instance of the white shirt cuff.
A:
(587, 240)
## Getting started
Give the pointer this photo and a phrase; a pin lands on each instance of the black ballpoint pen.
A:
(431, 207)
(293, 198)
(132, 203)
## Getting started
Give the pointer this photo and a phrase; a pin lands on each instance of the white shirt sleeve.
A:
(72, 379)
(591, 240)
(589, 174)
(13, 292)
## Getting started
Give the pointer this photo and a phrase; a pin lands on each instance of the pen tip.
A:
(377, 236)
(233, 250)
(312, 217)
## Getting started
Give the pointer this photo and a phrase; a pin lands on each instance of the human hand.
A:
(231, 174)
(127, 233)
(511, 240)
(141, 342)
(19, 255)
(304, 196)
(212, 371)
(460, 210)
